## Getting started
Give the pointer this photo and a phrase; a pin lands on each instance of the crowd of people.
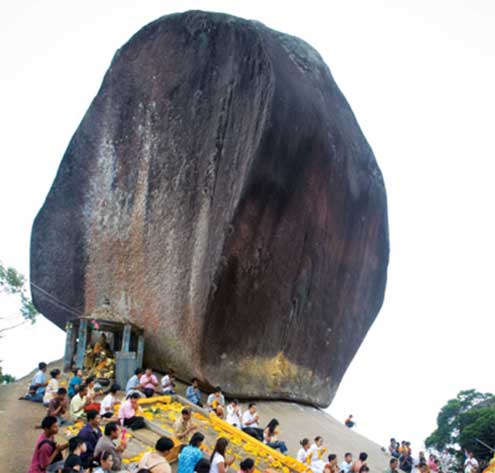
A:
(101, 442)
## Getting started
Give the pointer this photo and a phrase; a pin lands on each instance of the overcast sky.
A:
(420, 77)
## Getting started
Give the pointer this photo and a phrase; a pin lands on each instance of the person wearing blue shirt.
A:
(190, 455)
(38, 385)
(134, 385)
(75, 382)
(193, 394)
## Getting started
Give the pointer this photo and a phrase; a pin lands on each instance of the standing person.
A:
(149, 382)
(128, 413)
(58, 405)
(218, 463)
(134, 385)
(346, 465)
(356, 466)
(52, 386)
(190, 455)
(106, 463)
(38, 385)
(76, 448)
(107, 443)
(156, 462)
(393, 466)
(184, 427)
(332, 465)
(270, 437)
(78, 403)
(317, 451)
(304, 455)
(234, 414)
(193, 394)
(216, 402)
(168, 383)
(471, 463)
(75, 382)
(108, 404)
(47, 456)
(90, 433)
(250, 422)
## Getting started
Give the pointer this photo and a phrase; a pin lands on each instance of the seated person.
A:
(134, 385)
(270, 435)
(91, 395)
(349, 422)
(90, 434)
(76, 448)
(189, 456)
(250, 422)
(38, 384)
(149, 382)
(78, 403)
(75, 382)
(247, 466)
(128, 413)
(58, 406)
(193, 394)
(332, 465)
(156, 462)
(107, 443)
(184, 427)
(108, 403)
(216, 402)
(47, 454)
(106, 463)
(218, 461)
(168, 383)
(52, 386)
(234, 414)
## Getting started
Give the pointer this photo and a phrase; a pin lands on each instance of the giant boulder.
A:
(221, 195)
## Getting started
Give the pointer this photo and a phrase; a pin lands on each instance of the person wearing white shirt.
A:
(168, 383)
(346, 465)
(303, 455)
(218, 463)
(109, 401)
(234, 414)
(250, 422)
(470, 463)
(317, 451)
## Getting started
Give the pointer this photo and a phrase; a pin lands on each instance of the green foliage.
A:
(5, 378)
(13, 282)
(463, 420)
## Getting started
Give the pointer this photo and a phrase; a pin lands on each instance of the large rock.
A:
(220, 194)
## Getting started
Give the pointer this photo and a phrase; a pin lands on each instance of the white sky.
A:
(420, 77)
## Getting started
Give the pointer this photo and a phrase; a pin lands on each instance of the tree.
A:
(13, 283)
(462, 422)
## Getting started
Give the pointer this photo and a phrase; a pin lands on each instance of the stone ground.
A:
(18, 435)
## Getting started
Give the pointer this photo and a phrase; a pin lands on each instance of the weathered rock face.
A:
(220, 194)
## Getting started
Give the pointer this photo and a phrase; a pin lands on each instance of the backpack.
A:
(58, 457)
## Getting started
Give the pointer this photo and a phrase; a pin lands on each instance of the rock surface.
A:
(220, 194)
